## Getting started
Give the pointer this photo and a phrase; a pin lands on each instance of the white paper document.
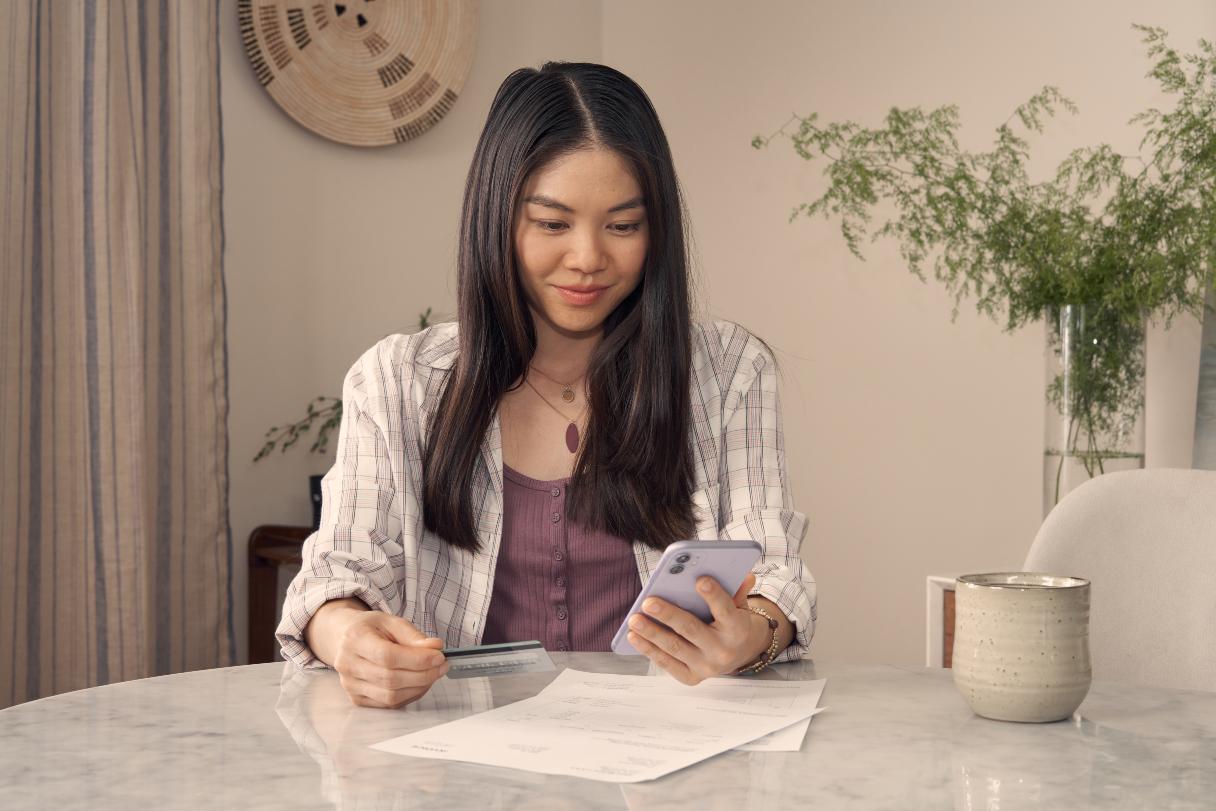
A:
(750, 690)
(621, 729)
(783, 740)
(769, 693)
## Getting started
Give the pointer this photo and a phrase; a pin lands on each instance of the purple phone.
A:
(675, 579)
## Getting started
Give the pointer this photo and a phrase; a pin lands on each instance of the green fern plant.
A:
(1130, 238)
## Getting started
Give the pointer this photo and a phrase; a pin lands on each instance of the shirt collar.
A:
(442, 353)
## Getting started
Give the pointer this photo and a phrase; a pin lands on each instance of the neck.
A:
(563, 355)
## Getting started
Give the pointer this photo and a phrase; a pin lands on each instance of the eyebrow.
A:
(549, 202)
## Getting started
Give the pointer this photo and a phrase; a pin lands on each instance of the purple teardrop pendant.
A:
(572, 437)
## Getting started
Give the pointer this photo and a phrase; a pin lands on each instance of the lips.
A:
(580, 296)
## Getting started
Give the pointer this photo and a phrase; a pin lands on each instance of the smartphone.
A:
(675, 579)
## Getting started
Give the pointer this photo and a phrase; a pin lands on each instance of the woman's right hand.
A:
(382, 660)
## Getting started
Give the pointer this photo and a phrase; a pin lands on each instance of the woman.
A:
(517, 475)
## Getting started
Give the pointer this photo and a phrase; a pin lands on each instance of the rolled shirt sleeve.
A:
(357, 550)
(755, 502)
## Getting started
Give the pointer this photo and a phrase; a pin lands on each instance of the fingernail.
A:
(436, 661)
(703, 585)
(636, 622)
(651, 607)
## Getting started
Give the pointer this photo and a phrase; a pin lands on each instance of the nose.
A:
(586, 253)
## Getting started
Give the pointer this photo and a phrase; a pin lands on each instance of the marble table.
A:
(266, 736)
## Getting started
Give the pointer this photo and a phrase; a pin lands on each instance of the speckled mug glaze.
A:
(1021, 645)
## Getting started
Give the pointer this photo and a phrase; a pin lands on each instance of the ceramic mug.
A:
(1021, 645)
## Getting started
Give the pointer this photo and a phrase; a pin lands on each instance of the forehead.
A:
(585, 173)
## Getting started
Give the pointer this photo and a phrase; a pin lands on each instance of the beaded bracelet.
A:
(765, 659)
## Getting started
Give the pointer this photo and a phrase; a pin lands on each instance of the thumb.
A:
(404, 632)
(744, 589)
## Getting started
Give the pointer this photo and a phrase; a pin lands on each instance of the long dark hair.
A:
(633, 476)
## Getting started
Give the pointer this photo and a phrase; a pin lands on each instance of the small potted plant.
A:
(1108, 243)
(325, 412)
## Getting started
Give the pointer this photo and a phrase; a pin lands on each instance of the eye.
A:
(551, 226)
(626, 227)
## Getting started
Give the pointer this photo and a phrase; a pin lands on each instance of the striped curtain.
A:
(115, 554)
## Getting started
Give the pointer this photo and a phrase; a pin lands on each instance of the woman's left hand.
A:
(693, 650)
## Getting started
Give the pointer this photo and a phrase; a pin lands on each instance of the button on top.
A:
(561, 645)
(557, 554)
(556, 517)
(556, 492)
(561, 581)
(561, 612)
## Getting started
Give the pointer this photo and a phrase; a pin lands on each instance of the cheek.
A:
(532, 256)
(632, 261)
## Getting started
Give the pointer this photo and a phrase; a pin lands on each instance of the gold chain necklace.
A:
(572, 436)
(567, 388)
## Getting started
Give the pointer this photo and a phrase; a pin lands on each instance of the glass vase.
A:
(1095, 397)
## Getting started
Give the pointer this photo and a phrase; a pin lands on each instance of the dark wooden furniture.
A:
(270, 546)
(947, 628)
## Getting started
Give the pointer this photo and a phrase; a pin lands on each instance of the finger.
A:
(358, 693)
(432, 642)
(391, 655)
(684, 623)
(745, 589)
(721, 604)
(399, 679)
(394, 678)
(670, 643)
(360, 700)
(405, 632)
(357, 689)
(678, 670)
(389, 688)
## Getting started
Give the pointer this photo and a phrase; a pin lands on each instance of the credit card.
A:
(497, 660)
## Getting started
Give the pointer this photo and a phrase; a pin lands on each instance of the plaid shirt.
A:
(372, 544)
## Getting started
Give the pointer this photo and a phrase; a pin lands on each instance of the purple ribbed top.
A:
(554, 581)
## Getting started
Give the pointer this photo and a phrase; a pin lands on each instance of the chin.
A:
(579, 324)
(574, 320)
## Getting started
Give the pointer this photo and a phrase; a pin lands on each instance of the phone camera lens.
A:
(676, 569)
(683, 558)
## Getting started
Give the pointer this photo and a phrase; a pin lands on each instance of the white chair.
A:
(1146, 539)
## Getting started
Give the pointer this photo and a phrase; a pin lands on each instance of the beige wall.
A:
(914, 443)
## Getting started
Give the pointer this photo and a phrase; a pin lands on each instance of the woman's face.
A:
(580, 239)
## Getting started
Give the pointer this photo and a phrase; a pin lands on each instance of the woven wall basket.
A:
(361, 72)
